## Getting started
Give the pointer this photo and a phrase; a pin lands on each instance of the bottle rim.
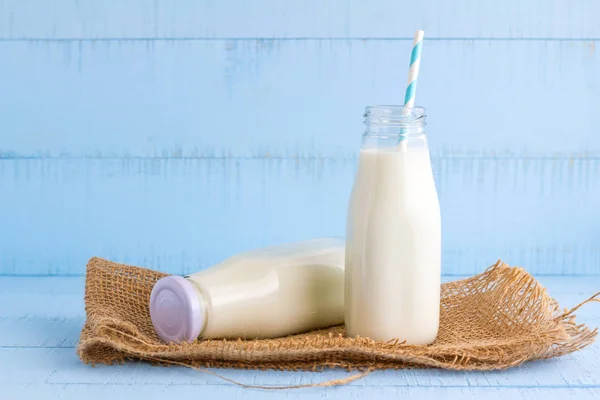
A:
(395, 115)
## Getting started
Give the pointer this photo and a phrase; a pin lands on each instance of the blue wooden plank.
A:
(159, 392)
(181, 215)
(30, 367)
(62, 366)
(297, 19)
(269, 99)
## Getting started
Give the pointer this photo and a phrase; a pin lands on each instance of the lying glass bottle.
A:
(265, 293)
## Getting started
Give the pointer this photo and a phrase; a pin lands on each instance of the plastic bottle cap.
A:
(175, 310)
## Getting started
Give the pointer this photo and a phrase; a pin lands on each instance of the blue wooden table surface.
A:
(41, 319)
(173, 133)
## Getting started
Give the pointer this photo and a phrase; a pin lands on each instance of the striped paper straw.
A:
(413, 72)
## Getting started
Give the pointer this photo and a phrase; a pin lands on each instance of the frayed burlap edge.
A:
(523, 323)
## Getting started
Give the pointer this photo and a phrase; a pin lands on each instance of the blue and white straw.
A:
(413, 72)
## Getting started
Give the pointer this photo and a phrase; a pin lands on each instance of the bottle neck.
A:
(204, 314)
(394, 128)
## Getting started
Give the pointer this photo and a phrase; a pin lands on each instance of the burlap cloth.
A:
(498, 319)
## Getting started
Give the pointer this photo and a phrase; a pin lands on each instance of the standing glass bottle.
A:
(393, 238)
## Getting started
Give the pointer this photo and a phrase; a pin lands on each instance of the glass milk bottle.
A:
(393, 238)
(263, 293)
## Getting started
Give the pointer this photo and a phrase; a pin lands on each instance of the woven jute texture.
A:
(498, 319)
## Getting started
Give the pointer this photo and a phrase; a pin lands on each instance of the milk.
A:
(393, 247)
(263, 293)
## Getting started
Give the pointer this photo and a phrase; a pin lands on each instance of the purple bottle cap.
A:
(175, 310)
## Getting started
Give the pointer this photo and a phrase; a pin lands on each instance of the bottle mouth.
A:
(395, 115)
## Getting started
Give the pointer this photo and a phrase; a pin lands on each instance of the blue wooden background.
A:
(171, 134)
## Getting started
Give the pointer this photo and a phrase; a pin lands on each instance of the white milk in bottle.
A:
(264, 293)
(393, 244)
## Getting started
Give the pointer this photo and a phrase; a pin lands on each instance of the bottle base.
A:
(415, 338)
